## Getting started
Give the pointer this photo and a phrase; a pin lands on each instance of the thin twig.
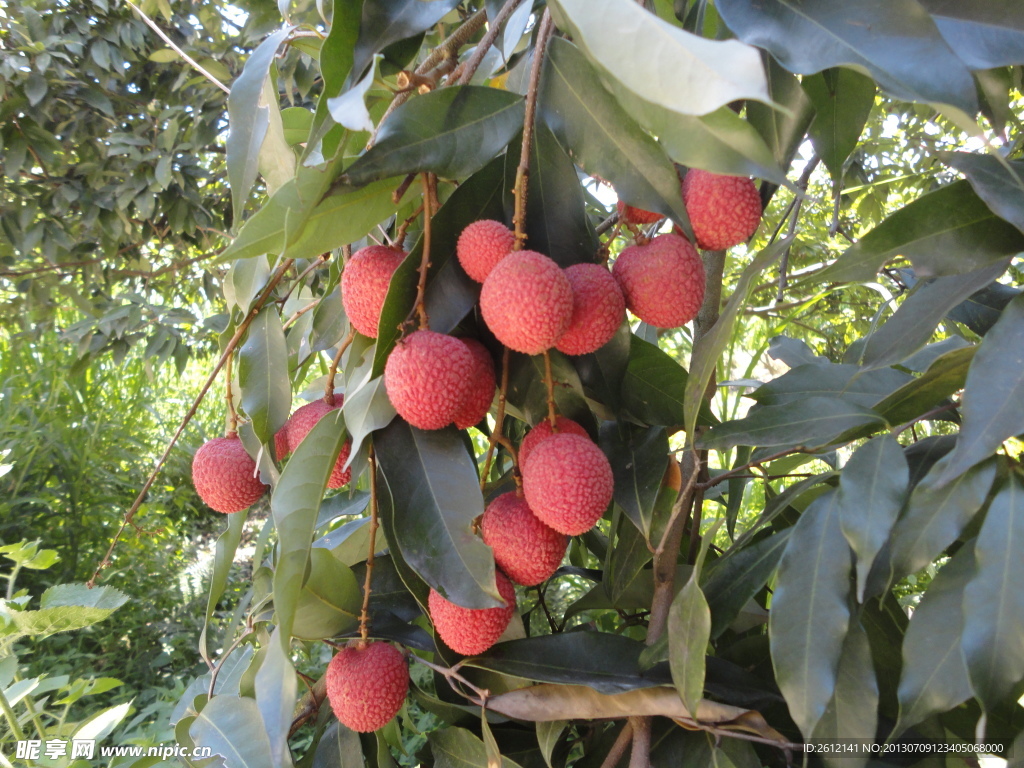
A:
(232, 414)
(925, 416)
(620, 746)
(488, 40)
(640, 757)
(299, 313)
(364, 614)
(333, 371)
(421, 288)
(549, 382)
(499, 419)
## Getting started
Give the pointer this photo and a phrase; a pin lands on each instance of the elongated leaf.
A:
(982, 34)
(339, 747)
(842, 100)
(934, 675)
(653, 386)
(639, 459)
(231, 726)
(336, 57)
(223, 560)
(263, 374)
(782, 131)
(872, 487)
(993, 638)
(993, 393)
(451, 132)
(982, 310)
(601, 137)
(436, 497)
(547, 737)
(459, 748)
(815, 422)
(276, 692)
(896, 41)
(944, 376)
(946, 232)
(809, 612)
(331, 597)
(66, 607)
(999, 182)
(825, 379)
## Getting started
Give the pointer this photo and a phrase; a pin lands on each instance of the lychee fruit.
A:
(527, 302)
(427, 377)
(525, 548)
(597, 309)
(724, 210)
(481, 387)
(631, 215)
(470, 631)
(224, 475)
(482, 245)
(543, 431)
(364, 285)
(568, 483)
(303, 420)
(367, 686)
(663, 281)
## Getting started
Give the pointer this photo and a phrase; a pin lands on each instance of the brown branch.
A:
(640, 757)
(333, 371)
(232, 413)
(309, 705)
(549, 382)
(620, 746)
(364, 614)
(488, 40)
(499, 419)
(421, 287)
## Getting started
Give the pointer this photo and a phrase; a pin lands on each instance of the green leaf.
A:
(624, 583)
(842, 100)
(67, 607)
(436, 496)
(946, 232)
(276, 693)
(653, 385)
(812, 423)
(896, 42)
(102, 724)
(296, 122)
(993, 393)
(934, 677)
(223, 560)
(601, 137)
(872, 487)
(263, 374)
(825, 379)
(451, 132)
(639, 458)
(783, 132)
(993, 637)
(331, 598)
(231, 726)
(809, 613)
(336, 57)
(349, 107)
(527, 393)
(459, 748)
(997, 181)
(339, 747)
(944, 376)
(982, 310)
(983, 35)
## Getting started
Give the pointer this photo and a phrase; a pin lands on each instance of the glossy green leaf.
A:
(896, 42)
(331, 598)
(436, 496)
(548, 734)
(993, 638)
(231, 726)
(946, 232)
(349, 107)
(934, 677)
(624, 565)
(783, 132)
(602, 372)
(825, 379)
(527, 393)
(263, 374)
(993, 393)
(944, 377)
(983, 35)
(842, 100)
(100, 725)
(336, 58)
(982, 310)
(63, 608)
(223, 560)
(999, 182)
(339, 747)
(451, 132)
(276, 694)
(459, 748)
(639, 458)
(652, 389)
(872, 488)
(809, 612)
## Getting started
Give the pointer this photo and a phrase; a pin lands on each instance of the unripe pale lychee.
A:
(631, 215)
(303, 420)
(482, 245)
(367, 686)
(481, 387)
(427, 377)
(663, 281)
(525, 548)
(224, 475)
(527, 302)
(724, 210)
(470, 631)
(597, 309)
(568, 483)
(364, 285)
(543, 431)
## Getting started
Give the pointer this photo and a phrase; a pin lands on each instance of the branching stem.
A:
(421, 288)
(499, 419)
(333, 371)
(364, 614)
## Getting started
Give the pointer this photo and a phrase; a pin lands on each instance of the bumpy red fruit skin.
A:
(224, 475)
(368, 686)
(364, 285)
(481, 387)
(663, 281)
(598, 307)
(543, 431)
(427, 377)
(568, 483)
(470, 631)
(482, 245)
(527, 302)
(724, 210)
(631, 215)
(525, 548)
(303, 420)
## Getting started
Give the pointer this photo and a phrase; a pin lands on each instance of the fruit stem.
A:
(400, 234)
(332, 372)
(421, 289)
(523, 171)
(499, 419)
(549, 382)
(228, 351)
(364, 614)
(505, 443)
(232, 429)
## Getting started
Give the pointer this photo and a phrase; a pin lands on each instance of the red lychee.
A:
(482, 245)
(303, 420)
(568, 483)
(663, 281)
(525, 548)
(481, 387)
(427, 377)
(597, 309)
(527, 302)
(224, 475)
(724, 210)
(631, 215)
(367, 686)
(543, 431)
(364, 285)
(470, 631)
